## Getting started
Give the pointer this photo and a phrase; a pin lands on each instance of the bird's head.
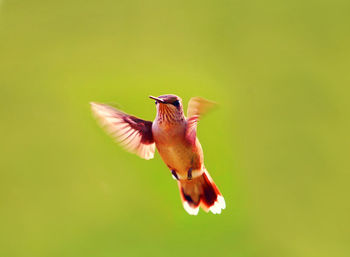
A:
(169, 107)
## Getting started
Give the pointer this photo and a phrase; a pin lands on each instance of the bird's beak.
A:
(157, 99)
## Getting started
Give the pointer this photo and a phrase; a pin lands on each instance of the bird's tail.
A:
(201, 192)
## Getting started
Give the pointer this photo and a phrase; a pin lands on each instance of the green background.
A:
(277, 145)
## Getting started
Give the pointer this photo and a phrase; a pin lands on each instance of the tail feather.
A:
(201, 192)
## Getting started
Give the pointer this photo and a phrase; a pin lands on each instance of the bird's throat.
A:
(170, 115)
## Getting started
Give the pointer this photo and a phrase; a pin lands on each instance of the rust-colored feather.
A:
(134, 134)
(197, 107)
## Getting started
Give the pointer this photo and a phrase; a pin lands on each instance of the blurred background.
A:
(277, 145)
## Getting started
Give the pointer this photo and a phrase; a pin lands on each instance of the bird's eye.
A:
(176, 103)
(155, 102)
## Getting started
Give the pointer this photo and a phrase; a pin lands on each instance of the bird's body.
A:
(177, 151)
(175, 138)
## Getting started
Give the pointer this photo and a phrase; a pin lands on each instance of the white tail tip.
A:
(189, 209)
(218, 205)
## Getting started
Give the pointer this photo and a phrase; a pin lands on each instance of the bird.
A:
(175, 137)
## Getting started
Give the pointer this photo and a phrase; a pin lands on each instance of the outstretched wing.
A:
(131, 132)
(197, 107)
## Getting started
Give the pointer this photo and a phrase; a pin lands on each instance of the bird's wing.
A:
(131, 132)
(197, 107)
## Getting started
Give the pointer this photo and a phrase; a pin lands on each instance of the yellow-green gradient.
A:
(277, 145)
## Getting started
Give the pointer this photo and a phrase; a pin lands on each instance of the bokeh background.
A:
(277, 145)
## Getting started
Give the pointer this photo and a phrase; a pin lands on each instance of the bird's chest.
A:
(168, 133)
(172, 146)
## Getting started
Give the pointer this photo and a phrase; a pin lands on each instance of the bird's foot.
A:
(189, 174)
(173, 172)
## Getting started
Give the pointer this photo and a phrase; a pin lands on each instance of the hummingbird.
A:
(175, 137)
